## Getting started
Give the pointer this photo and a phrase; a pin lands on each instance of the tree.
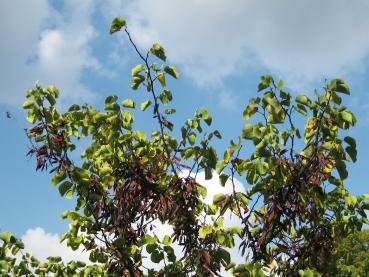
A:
(351, 256)
(294, 211)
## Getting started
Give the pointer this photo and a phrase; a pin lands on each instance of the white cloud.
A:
(40, 43)
(304, 41)
(42, 245)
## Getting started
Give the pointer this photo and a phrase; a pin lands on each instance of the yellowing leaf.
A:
(28, 104)
(158, 51)
(204, 231)
(128, 103)
(161, 77)
(145, 104)
(137, 69)
(117, 24)
(249, 111)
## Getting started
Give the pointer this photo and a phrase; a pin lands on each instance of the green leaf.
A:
(53, 91)
(170, 253)
(280, 85)
(31, 116)
(167, 240)
(350, 141)
(19, 244)
(147, 239)
(100, 117)
(204, 231)
(6, 236)
(58, 177)
(64, 187)
(301, 109)
(165, 97)
(110, 103)
(15, 250)
(136, 81)
(223, 179)
(145, 104)
(28, 104)
(128, 103)
(211, 157)
(217, 134)
(170, 111)
(158, 51)
(252, 176)
(151, 247)
(265, 82)
(348, 117)
(219, 198)
(261, 167)
(251, 131)
(335, 98)
(204, 114)
(74, 108)
(171, 70)
(105, 170)
(228, 154)
(248, 131)
(307, 273)
(161, 77)
(117, 24)
(351, 200)
(140, 135)
(329, 145)
(69, 195)
(220, 166)
(208, 173)
(111, 99)
(202, 190)
(224, 255)
(351, 149)
(341, 168)
(51, 99)
(137, 69)
(339, 85)
(192, 138)
(157, 256)
(304, 100)
(352, 152)
(249, 111)
(275, 106)
(242, 198)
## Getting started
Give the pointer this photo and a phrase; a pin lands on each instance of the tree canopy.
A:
(351, 255)
(295, 208)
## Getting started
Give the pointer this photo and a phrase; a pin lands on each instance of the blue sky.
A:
(220, 48)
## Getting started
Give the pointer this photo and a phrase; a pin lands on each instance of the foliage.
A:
(126, 181)
(351, 257)
(27, 265)
(305, 204)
